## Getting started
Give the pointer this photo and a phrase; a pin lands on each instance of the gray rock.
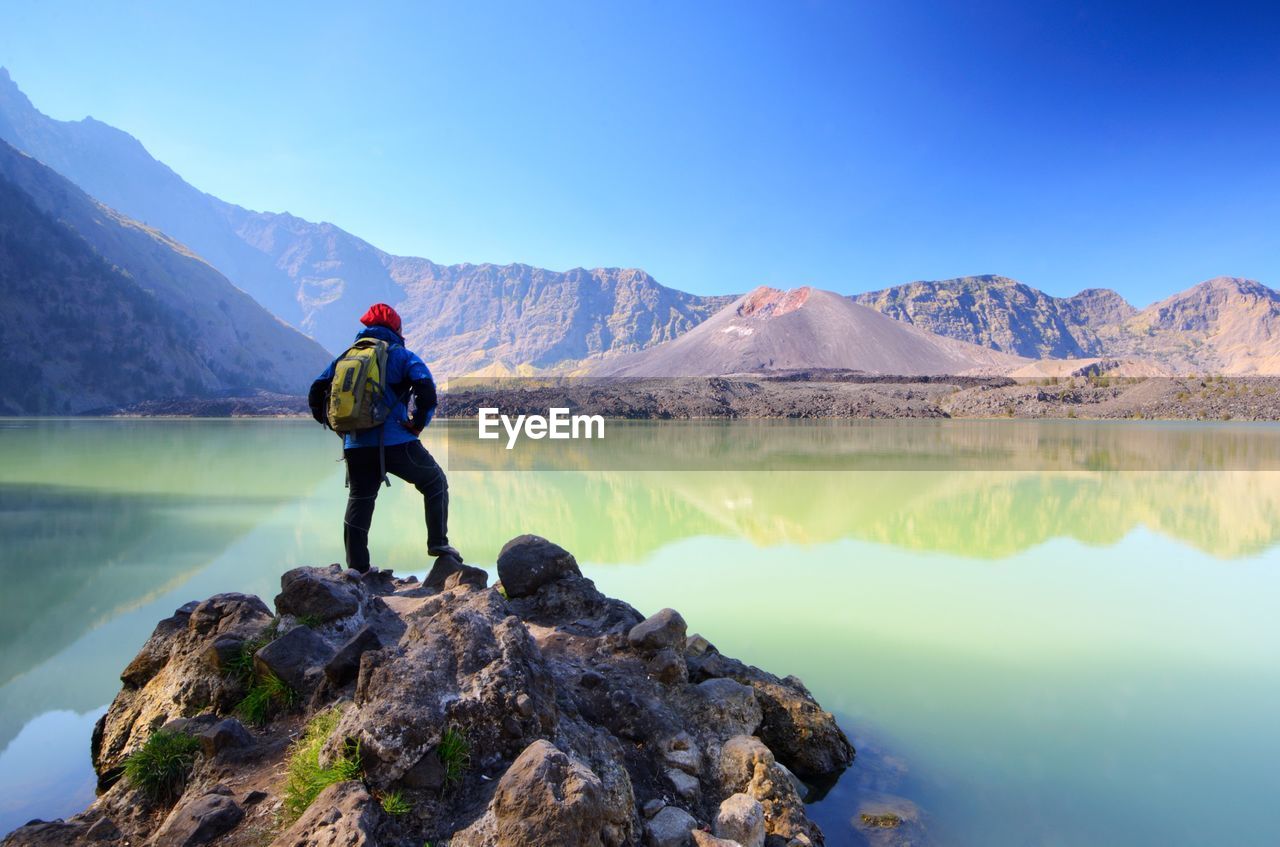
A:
(40, 833)
(103, 829)
(226, 734)
(681, 751)
(741, 819)
(211, 616)
(671, 827)
(200, 821)
(738, 759)
(685, 785)
(320, 593)
(658, 631)
(696, 645)
(344, 815)
(224, 650)
(706, 839)
(448, 572)
(668, 667)
(652, 807)
(467, 575)
(297, 657)
(730, 706)
(427, 774)
(546, 797)
(528, 562)
(345, 664)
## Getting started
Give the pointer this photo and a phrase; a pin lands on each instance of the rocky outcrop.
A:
(452, 713)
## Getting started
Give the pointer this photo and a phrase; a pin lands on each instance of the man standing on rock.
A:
(392, 446)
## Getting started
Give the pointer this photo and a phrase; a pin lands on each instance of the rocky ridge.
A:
(535, 712)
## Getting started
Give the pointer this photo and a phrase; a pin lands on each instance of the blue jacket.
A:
(406, 375)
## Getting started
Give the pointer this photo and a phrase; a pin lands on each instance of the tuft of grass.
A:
(241, 665)
(455, 754)
(393, 803)
(306, 777)
(160, 767)
(267, 695)
(310, 621)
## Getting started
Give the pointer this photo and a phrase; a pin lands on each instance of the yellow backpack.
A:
(357, 394)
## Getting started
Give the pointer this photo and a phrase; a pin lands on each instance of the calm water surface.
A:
(1035, 649)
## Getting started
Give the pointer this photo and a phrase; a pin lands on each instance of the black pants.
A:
(412, 463)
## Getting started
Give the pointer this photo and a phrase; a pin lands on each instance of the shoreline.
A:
(806, 397)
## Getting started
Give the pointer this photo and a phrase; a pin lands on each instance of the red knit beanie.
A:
(380, 314)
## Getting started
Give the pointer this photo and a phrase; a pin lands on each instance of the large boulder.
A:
(201, 821)
(547, 797)
(528, 562)
(322, 594)
(343, 815)
(179, 678)
(463, 662)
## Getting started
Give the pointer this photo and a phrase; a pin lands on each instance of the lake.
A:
(1040, 633)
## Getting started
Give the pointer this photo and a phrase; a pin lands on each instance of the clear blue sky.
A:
(718, 145)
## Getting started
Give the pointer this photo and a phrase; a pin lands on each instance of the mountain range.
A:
(97, 309)
(511, 319)
(320, 278)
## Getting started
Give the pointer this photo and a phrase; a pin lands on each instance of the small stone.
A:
(524, 704)
(225, 734)
(591, 679)
(652, 807)
(467, 575)
(662, 629)
(686, 786)
(682, 752)
(528, 562)
(668, 667)
(253, 798)
(741, 819)
(698, 646)
(670, 827)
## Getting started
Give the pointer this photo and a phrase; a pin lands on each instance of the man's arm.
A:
(318, 396)
(424, 394)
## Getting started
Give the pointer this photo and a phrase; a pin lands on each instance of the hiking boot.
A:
(444, 550)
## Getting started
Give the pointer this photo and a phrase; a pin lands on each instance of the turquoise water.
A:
(1047, 655)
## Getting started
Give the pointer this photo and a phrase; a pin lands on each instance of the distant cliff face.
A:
(1003, 314)
(98, 310)
(462, 317)
(1225, 325)
(321, 278)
